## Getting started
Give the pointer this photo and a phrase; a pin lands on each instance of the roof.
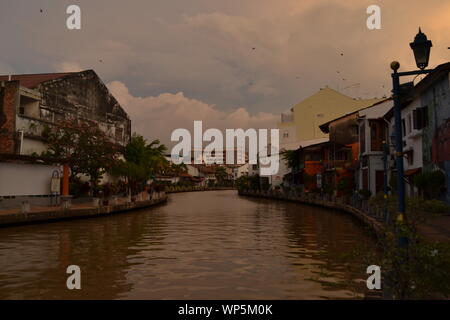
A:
(324, 126)
(432, 77)
(313, 147)
(21, 158)
(423, 85)
(328, 96)
(31, 81)
(205, 169)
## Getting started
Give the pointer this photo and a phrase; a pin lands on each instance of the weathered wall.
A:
(344, 130)
(437, 98)
(25, 179)
(9, 99)
(83, 95)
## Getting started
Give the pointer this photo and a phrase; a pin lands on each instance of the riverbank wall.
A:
(76, 211)
(196, 189)
(373, 224)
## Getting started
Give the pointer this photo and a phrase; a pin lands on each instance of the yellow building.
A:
(302, 123)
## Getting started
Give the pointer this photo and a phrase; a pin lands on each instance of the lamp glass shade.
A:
(421, 48)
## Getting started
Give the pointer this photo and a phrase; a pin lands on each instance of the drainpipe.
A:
(65, 189)
(21, 141)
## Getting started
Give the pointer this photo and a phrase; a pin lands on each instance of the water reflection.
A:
(212, 245)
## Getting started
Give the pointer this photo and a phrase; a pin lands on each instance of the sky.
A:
(232, 64)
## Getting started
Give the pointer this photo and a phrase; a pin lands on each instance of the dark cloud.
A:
(204, 48)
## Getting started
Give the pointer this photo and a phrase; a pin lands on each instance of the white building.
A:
(372, 136)
(240, 171)
(412, 125)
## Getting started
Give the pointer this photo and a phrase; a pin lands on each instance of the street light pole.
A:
(398, 134)
(421, 48)
(398, 141)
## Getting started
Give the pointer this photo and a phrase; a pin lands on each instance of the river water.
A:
(200, 245)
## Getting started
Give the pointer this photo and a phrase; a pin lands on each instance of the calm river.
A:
(200, 245)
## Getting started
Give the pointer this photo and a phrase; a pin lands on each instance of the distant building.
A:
(302, 123)
(240, 170)
(199, 155)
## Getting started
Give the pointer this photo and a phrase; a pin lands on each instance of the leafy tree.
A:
(221, 174)
(243, 182)
(255, 182)
(430, 184)
(85, 146)
(292, 157)
(178, 169)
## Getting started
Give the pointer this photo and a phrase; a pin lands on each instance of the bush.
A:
(430, 184)
(364, 193)
(436, 206)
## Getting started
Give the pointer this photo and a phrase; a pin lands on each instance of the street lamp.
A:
(421, 48)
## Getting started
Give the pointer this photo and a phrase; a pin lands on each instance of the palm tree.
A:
(178, 169)
(142, 161)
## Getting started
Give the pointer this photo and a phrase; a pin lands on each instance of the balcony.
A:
(287, 117)
(31, 127)
(338, 164)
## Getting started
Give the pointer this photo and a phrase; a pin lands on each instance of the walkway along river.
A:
(201, 245)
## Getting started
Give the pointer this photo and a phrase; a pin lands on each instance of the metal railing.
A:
(378, 212)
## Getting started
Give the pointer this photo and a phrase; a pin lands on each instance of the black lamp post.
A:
(421, 48)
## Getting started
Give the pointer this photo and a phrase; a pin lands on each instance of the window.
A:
(409, 126)
(420, 118)
(286, 134)
(410, 157)
(362, 138)
(376, 136)
(343, 155)
(403, 128)
(46, 115)
(119, 134)
(354, 130)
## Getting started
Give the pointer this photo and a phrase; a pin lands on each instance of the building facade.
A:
(30, 103)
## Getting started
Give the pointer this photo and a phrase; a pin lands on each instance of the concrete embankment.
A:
(76, 211)
(376, 226)
(196, 189)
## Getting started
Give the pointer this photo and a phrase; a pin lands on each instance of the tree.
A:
(141, 162)
(178, 169)
(430, 184)
(243, 182)
(85, 146)
(221, 174)
(292, 157)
